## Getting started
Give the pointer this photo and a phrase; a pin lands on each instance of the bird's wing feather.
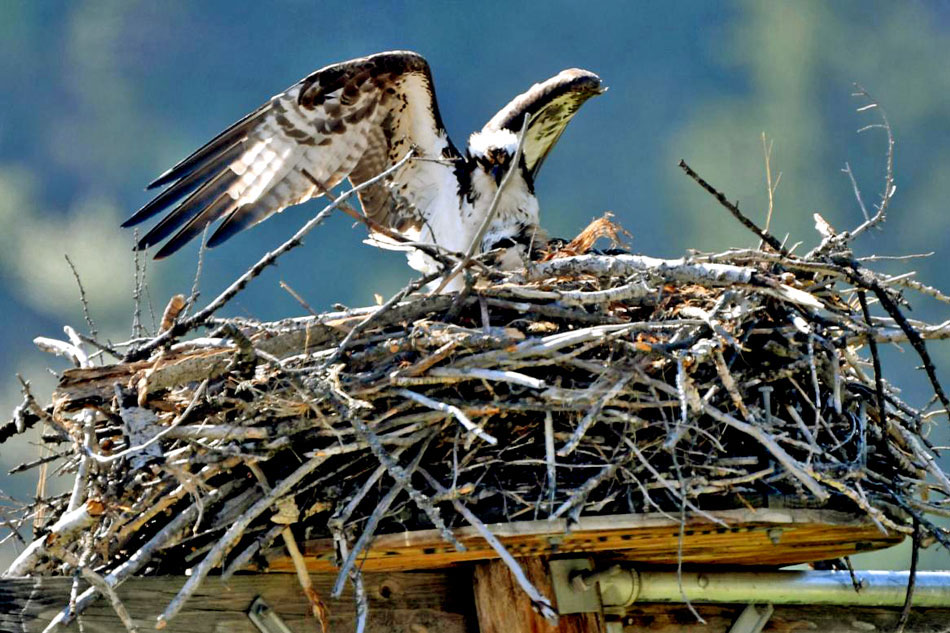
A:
(349, 120)
(550, 105)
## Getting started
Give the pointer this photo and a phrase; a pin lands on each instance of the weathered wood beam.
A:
(412, 602)
(763, 536)
(504, 608)
(398, 602)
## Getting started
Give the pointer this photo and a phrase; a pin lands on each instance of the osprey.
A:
(355, 120)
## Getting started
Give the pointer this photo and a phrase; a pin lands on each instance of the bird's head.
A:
(492, 150)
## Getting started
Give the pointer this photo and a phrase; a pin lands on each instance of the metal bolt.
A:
(775, 535)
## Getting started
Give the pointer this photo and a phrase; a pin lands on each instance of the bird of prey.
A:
(355, 120)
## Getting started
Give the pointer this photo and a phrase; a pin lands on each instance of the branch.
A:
(734, 210)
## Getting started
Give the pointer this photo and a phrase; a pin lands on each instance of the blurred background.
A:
(99, 97)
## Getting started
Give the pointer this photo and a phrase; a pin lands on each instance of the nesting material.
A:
(586, 385)
(589, 384)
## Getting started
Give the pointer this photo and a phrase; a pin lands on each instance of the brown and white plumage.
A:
(354, 120)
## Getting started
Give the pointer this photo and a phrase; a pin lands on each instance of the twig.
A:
(138, 277)
(537, 599)
(451, 410)
(230, 537)
(362, 325)
(550, 459)
(100, 583)
(297, 297)
(875, 358)
(913, 337)
(734, 210)
(179, 419)
(770, 187)
(369, 528)
(82, 299)
(195, 285)
(793, 467)
(889, 187)
(591, 416)
(911, 579)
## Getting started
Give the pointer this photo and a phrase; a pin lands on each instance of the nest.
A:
(588, 384)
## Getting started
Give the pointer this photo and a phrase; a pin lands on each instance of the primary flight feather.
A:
(355, 120)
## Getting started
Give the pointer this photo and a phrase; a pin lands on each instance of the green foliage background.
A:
(99, 96)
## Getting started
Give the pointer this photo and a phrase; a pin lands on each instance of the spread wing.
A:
(349, 120)
(551, 105)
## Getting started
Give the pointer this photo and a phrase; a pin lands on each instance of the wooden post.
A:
(504, 608)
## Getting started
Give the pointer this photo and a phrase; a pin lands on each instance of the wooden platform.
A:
(403, 602)
(770, 537)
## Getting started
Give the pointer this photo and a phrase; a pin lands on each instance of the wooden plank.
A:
(399, 602)
(504, 608)
(751, 537)
(666, 618)
(415, 602)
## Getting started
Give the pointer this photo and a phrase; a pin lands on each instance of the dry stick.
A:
(592, 415)
(369, 528)
(80, 487)
(666, 484)
(138, 275)
(341, 516)
(100, 583)
(911, 579)
(913, 336)
(317, 607)
(888, 192)
(857, 192)
(680, 538)
(876, 360)
(767, 151)
(234, 532)
(102, 347)
(359, 327)
(293, 293)
(550, 459)
(792, 466)
(842, 239)
(454, 411)
(82, 298)
(240, 561)
(107, 459)
(134, 563)
(734, 210)
(361, 600)
(537, 599)
(476, 243)
(186, 325)
(579, 495)
(399, 474)
(195, 292)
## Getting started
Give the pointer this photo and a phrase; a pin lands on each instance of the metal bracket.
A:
(570, 600)
(579, 589)
(752, 619)
(266, 619)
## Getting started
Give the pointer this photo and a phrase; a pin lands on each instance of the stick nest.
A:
(587, 384)
(593, 384)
